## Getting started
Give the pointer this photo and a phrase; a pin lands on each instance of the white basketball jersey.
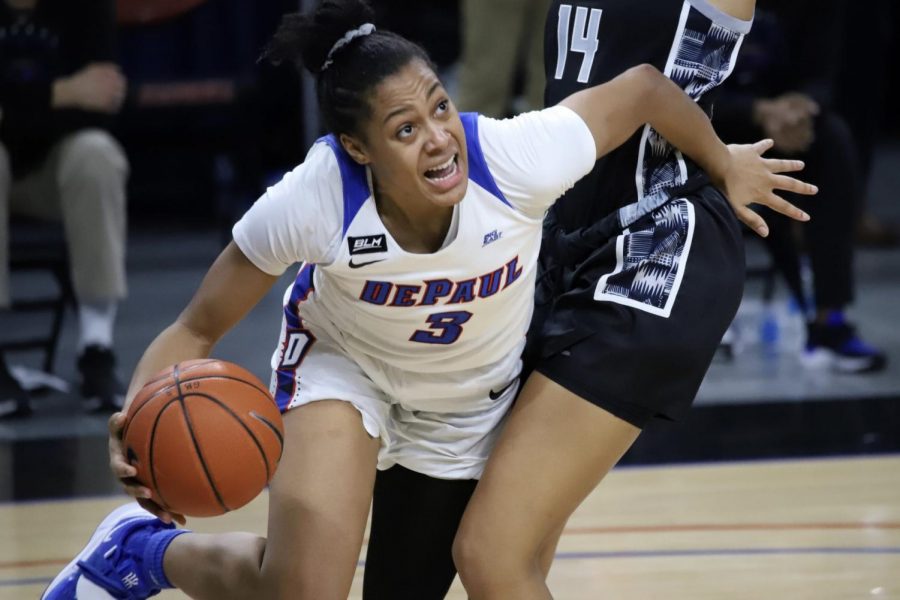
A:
(434, 331)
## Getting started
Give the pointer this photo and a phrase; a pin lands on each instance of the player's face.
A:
(414, 139)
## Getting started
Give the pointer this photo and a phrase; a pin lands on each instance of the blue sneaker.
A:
(835, 345)
(112, 564)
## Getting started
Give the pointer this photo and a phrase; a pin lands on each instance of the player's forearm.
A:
(175, 344)
(678, 119)
(231, 287)
(614, 110)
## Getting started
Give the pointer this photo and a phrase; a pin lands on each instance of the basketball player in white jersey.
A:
(418, 229)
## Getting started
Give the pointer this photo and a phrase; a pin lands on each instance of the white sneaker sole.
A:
(106, 526)
(824, 359)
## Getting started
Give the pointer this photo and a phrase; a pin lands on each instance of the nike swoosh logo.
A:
(494, 395)
(354, 265)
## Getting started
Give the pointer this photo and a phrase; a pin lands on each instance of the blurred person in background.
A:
(784, 88)
(59, 90)
(865, 64)
(500, 39)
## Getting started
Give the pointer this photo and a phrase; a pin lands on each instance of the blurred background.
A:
(206, 127)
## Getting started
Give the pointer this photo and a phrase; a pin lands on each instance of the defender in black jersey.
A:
(640, 298)
(643, 271)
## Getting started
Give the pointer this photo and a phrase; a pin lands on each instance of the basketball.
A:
(205, 436)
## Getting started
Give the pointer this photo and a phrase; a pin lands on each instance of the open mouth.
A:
(444, 172)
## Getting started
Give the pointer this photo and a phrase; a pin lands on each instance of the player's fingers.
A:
(752, 220)
(783, 165)
(119, 466)
(779, 204)
(789, 184)
(134, 489)
(763, 146)
(116, 423)
(156, 509)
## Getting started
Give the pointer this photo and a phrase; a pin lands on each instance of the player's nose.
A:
(438, 137)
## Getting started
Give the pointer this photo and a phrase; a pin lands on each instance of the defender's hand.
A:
(752, 179)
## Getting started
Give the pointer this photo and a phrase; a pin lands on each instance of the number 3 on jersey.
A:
(449, 324)
(584, 39)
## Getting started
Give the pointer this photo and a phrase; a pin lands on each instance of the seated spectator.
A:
(783, 88)
(59, 90)
(492, 56)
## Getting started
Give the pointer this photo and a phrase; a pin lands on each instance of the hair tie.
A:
(364, 29)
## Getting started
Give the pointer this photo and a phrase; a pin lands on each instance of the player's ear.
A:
(355, 148)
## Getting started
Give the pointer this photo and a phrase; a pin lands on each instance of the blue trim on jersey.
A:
(354, 180)
(286, 379)
(478, 168)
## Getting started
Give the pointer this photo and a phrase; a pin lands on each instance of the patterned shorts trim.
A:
(651, 257)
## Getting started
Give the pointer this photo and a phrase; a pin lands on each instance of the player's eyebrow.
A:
(402, 109)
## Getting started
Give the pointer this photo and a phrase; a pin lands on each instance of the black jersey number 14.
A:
(585, 38)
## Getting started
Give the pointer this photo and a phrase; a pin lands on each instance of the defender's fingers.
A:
(790, 184)
(763, 146)
(783, 165)
(779, 204)
(752, 220)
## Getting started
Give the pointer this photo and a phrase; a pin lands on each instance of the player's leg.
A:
(318, 504)
(319, 498)
(548, 550)
(636, 351)
(554, 450)
(437, 458)
(414, 521)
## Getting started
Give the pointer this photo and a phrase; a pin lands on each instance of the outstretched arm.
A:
(614, 110)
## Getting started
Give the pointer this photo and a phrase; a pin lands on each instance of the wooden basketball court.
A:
(800, 529)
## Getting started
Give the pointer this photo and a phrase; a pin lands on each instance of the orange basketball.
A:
(205, 437)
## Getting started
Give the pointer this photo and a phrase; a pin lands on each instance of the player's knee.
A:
(489, 571)
(478, 560)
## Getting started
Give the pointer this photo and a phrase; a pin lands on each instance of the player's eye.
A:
(405, 131)
(442, 107)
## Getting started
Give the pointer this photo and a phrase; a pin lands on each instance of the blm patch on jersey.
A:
(650, 260)
(367, 244)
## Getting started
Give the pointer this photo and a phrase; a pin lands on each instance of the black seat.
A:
(38, 246)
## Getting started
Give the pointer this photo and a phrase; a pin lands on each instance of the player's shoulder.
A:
(542, 121)
(320, 175)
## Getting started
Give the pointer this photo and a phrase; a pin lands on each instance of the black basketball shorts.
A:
(629, 311)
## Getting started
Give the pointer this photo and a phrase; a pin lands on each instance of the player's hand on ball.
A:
(125, 473)
(752, 179)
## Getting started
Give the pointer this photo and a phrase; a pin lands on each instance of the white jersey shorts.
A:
(446, 445)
